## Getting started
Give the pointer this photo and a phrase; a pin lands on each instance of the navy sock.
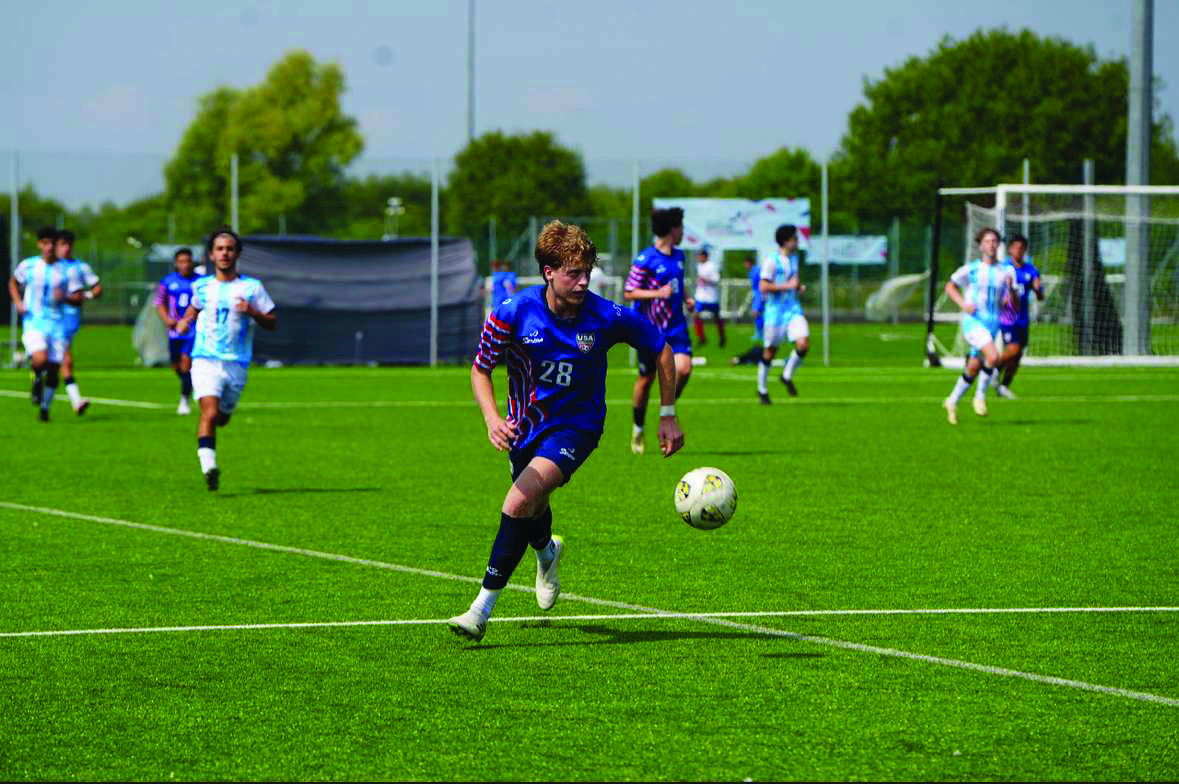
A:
(69, 380)
(542, 529)
(186, 384)
(640, 415)
(206, 442)
(509, 547)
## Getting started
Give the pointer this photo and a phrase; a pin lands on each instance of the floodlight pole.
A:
(634, 211)
(1136, 305)
(470, 70)
(826, 287)
(931, 357)
(13, 248)
(434, 265)
(1027, 180)
(233, 191)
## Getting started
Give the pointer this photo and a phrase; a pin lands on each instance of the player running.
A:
(708, 297)
(40, 287)
(225, 306)
(81, 278)
(555, 339)
(780, 286)
(656, 287)
(172, 298)
(979, 288)
(1014, 317)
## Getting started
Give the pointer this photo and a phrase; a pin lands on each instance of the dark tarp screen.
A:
(348, 301)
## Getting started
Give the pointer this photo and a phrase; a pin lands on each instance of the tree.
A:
(291, 137)
(511, 178)
(971, 111)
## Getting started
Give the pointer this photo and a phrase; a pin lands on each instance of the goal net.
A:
(1108, 257)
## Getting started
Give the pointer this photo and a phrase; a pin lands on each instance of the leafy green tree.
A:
(292, 139)
(510, 178)
(972, 110)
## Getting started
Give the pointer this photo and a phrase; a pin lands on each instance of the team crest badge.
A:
(585, 342)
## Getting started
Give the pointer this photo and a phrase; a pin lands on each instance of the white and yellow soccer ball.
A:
(706, 498)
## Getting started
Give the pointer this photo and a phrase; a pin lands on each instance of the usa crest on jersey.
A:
(585, 342)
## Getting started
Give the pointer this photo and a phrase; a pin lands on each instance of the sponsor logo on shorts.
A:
(566, 452)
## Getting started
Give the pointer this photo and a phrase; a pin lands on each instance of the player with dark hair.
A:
(979, 288)
(555, 339)
(225, 307)
(39, 288)
(82, 278)
(172, 298)
(756, 309)
(656, 287)
(1014, 316)
(780, 285)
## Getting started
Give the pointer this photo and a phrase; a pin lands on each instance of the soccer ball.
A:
(706, 498)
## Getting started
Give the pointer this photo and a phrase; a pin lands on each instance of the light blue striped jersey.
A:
(81, 277)
(44, 312)
(221, 331)
(780, 306)
(987, 286)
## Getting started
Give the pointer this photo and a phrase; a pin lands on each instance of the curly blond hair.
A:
(559, 244)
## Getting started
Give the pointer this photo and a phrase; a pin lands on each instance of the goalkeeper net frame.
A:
(1108, 256)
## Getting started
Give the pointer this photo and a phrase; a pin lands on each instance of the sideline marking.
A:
(647, 611)
(686, 616)
(722, 401)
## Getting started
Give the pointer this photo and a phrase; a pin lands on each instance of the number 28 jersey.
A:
(557, 367)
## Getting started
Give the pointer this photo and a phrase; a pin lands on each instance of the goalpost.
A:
(1108, 257)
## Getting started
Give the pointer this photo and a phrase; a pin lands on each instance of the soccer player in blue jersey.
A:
(756, 310)
(225, 307)
(1014, 317)
(555, 339)
(979, 288)
(82, 278)
(656, 287)
(40, 288)
(171, 300)
(780, 286)
(503, 282)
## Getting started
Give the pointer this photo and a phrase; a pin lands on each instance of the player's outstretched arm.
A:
(671, 437)
(14, 291)
(500, 432)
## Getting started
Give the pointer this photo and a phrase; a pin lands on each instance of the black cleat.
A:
(43, 414)
(764, 398)
(81, 409)
(793, 390)
(213, 478)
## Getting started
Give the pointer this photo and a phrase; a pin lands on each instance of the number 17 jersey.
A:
(557, 367)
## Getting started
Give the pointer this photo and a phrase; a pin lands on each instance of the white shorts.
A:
(795, 330)
(222, 380)
(977, 336)
(35, 341)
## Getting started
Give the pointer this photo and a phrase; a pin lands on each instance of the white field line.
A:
(652, 611)
(692, 616)
(746, 400)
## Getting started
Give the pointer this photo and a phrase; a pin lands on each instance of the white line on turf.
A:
(647, 611)
(692, 616)
(746, 400)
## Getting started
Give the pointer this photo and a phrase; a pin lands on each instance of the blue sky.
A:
(97, 95)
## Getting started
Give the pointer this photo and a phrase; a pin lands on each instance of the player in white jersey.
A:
(780, 286)
(980, 288)
(225, 307)
(39, 288)
(83, 277)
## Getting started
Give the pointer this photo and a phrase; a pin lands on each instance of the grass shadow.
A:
(300, 491)
(609, 635)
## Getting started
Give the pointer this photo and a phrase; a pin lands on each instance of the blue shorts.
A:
(677, 338)
(1015, 333)
(567, 447)
(71, 324)
(708, 307)
(181, 345)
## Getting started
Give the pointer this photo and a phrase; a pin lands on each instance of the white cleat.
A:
(548, 582)
(1004, 392)
(951, 411)
(980, 406)
(637, 444)
(183, 409)
(470, 625)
